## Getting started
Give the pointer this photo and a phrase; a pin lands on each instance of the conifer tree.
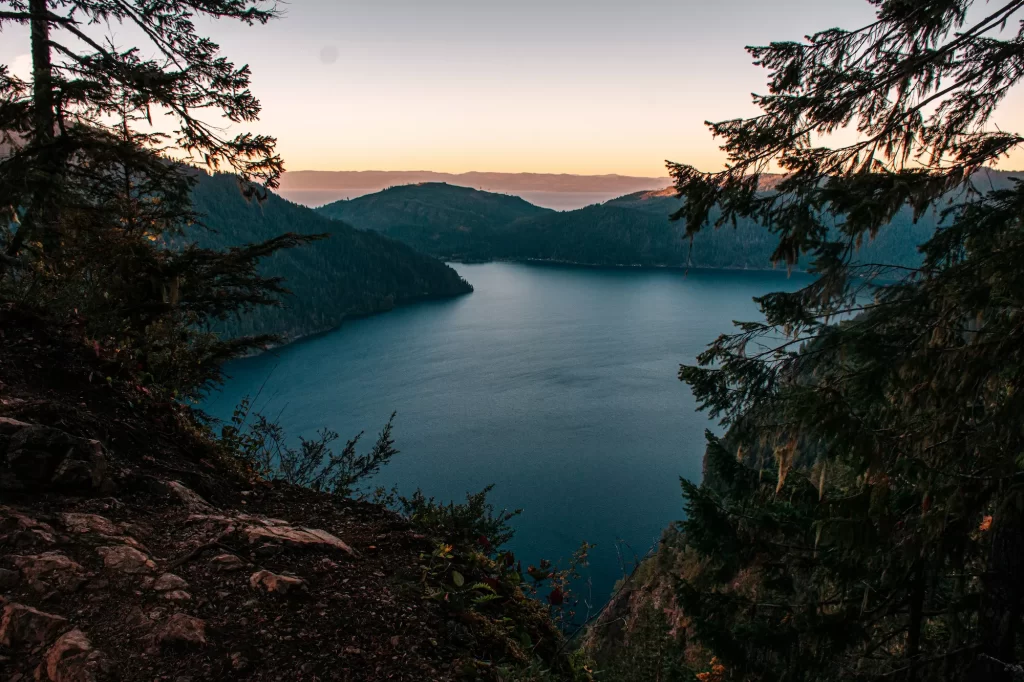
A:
(864, 516)
(95, 192)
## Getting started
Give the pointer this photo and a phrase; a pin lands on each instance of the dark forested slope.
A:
(464, 224)
(440, 219)
(350, 273)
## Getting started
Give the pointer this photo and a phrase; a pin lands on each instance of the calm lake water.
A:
(558, 384)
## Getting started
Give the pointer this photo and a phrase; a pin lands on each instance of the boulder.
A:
(99, 527)
(72, 658)
(18, 530)
(188, 497)
(42, 457)
(295, 536)
(49, 566)
(276, 584)
(182, 629)
(227, 562)
(255, 529)
(22, 624)
(177, 595)
(126, 559)
(169, 582)
(90, 523)
(8, 579)
(9, 427)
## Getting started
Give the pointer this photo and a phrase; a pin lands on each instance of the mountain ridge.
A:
(630, 230)
(352, 273)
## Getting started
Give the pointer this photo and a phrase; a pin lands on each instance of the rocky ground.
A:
(130, 550)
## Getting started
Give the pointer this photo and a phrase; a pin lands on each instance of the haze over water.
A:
(557, 384)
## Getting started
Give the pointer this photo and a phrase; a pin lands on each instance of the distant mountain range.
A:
(384, 247)
(557, 191)
(351, 273)
(458, 223)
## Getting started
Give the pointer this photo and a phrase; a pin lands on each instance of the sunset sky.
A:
(574, 86)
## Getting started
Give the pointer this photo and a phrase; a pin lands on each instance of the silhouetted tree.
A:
(889, 544)
(96, 180)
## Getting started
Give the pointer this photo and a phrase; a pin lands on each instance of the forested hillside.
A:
(443, 220)
(350, 273)
(458, 223)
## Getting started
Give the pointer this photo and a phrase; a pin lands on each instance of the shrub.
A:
(262, 445)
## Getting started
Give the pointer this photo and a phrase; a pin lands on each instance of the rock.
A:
(263, 530)
(8, 426)
(177, 595)
(8, 579)
(90, 523)
(22, 624)
(138, 620)
(18, 530)
(104, 528)
(182, 629)
(46, 566)
(190, 498)
(227, 562)
(262, 520)
(168, 582)
(238, 661)
(294, 536)
(42, 456)
(72, 658)
(276, 584)
(86, 472)
(126, 559)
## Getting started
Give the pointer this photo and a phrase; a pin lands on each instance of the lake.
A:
(557, 384)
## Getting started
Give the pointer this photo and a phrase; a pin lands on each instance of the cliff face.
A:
(132, 549)
(642, 633)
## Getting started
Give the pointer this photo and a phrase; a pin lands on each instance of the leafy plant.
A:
(473, 523)
(262, 444)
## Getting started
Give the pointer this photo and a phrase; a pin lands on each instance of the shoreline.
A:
(287, 341)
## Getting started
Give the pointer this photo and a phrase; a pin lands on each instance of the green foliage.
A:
(474, 523)
(262, 445)
(87, 194)
(864, 516)
(649, 652)
(578, 669)
(348, 274)
(484, 588)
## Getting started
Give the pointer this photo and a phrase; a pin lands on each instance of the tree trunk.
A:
(40, 213)
(42, 72)
(916, 618)
(1003, 589)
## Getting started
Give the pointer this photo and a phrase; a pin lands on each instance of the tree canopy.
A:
(97, 179)
(864, 516)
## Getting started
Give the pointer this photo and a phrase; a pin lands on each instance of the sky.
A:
(552, 86)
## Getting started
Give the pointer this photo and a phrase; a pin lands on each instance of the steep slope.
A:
(351, 273)
(135, 547)
(443, 220)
